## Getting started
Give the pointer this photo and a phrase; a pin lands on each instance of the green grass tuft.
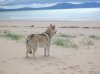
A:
(86, 41)
(64, 42)
(11, 36)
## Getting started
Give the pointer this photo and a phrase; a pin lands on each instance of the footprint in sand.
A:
(31, 63)
(58, 68)
(47, 73)
(92, 72)
(62, 72)
(64, 68)
(63, 63)
(90, 62)
(13, 58)
(93, 68)
(52, 64)
(42, 66)
(36, 69)
(66, 57)
(56, 64)
(3, 61)
(72, 73)
(17, 73)
(75, 67)
(80, 71)
(49, 64)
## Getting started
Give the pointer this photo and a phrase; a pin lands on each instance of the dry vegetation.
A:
(62, 40)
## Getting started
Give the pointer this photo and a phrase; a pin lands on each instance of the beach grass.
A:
(85, 41)
(11, 36)
(94, 37)
(67, 40)
(67, 35)
(64, 41)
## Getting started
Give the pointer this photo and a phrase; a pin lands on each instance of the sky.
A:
(11, 4)
(41, 1)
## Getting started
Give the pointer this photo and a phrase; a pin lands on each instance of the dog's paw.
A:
(48, 55)
(45, 55)
(26, 57)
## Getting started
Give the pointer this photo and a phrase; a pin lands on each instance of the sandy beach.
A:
(83, 59)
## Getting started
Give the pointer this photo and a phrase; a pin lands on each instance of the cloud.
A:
(22, 2)
(2, 1)
(34, 5)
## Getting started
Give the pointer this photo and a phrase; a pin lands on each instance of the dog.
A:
(34, 41)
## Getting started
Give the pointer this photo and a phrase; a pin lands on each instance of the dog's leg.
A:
(28, 50)
(45, 51)
(34, 51)
(26, 53)
(48, 51)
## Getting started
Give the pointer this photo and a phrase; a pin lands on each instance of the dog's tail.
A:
(28, 44)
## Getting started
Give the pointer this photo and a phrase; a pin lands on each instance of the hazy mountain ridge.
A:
(59, 6)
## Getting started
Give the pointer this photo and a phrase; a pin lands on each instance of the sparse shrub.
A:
(95, 37)
(86, 41)
(11, 36)
(32, 26)
(67, 35)
(64, 42)
(81, 35)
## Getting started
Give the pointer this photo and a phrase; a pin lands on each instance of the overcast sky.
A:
(42, 1)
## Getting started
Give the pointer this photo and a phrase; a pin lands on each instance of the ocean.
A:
(82, 14)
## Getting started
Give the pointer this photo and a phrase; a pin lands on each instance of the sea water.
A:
(84, 14)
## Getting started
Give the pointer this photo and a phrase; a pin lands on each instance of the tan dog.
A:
(40, 40)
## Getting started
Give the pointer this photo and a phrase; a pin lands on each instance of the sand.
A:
(82, 60)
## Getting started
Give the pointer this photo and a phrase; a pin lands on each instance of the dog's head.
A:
(51, 30)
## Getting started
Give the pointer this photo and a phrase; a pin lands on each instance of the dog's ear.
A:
(51, 25)
(54, 26)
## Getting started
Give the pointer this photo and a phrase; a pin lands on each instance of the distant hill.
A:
(59, 6)
(69, 5)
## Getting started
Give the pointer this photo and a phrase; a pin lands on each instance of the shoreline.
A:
(43, 23)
